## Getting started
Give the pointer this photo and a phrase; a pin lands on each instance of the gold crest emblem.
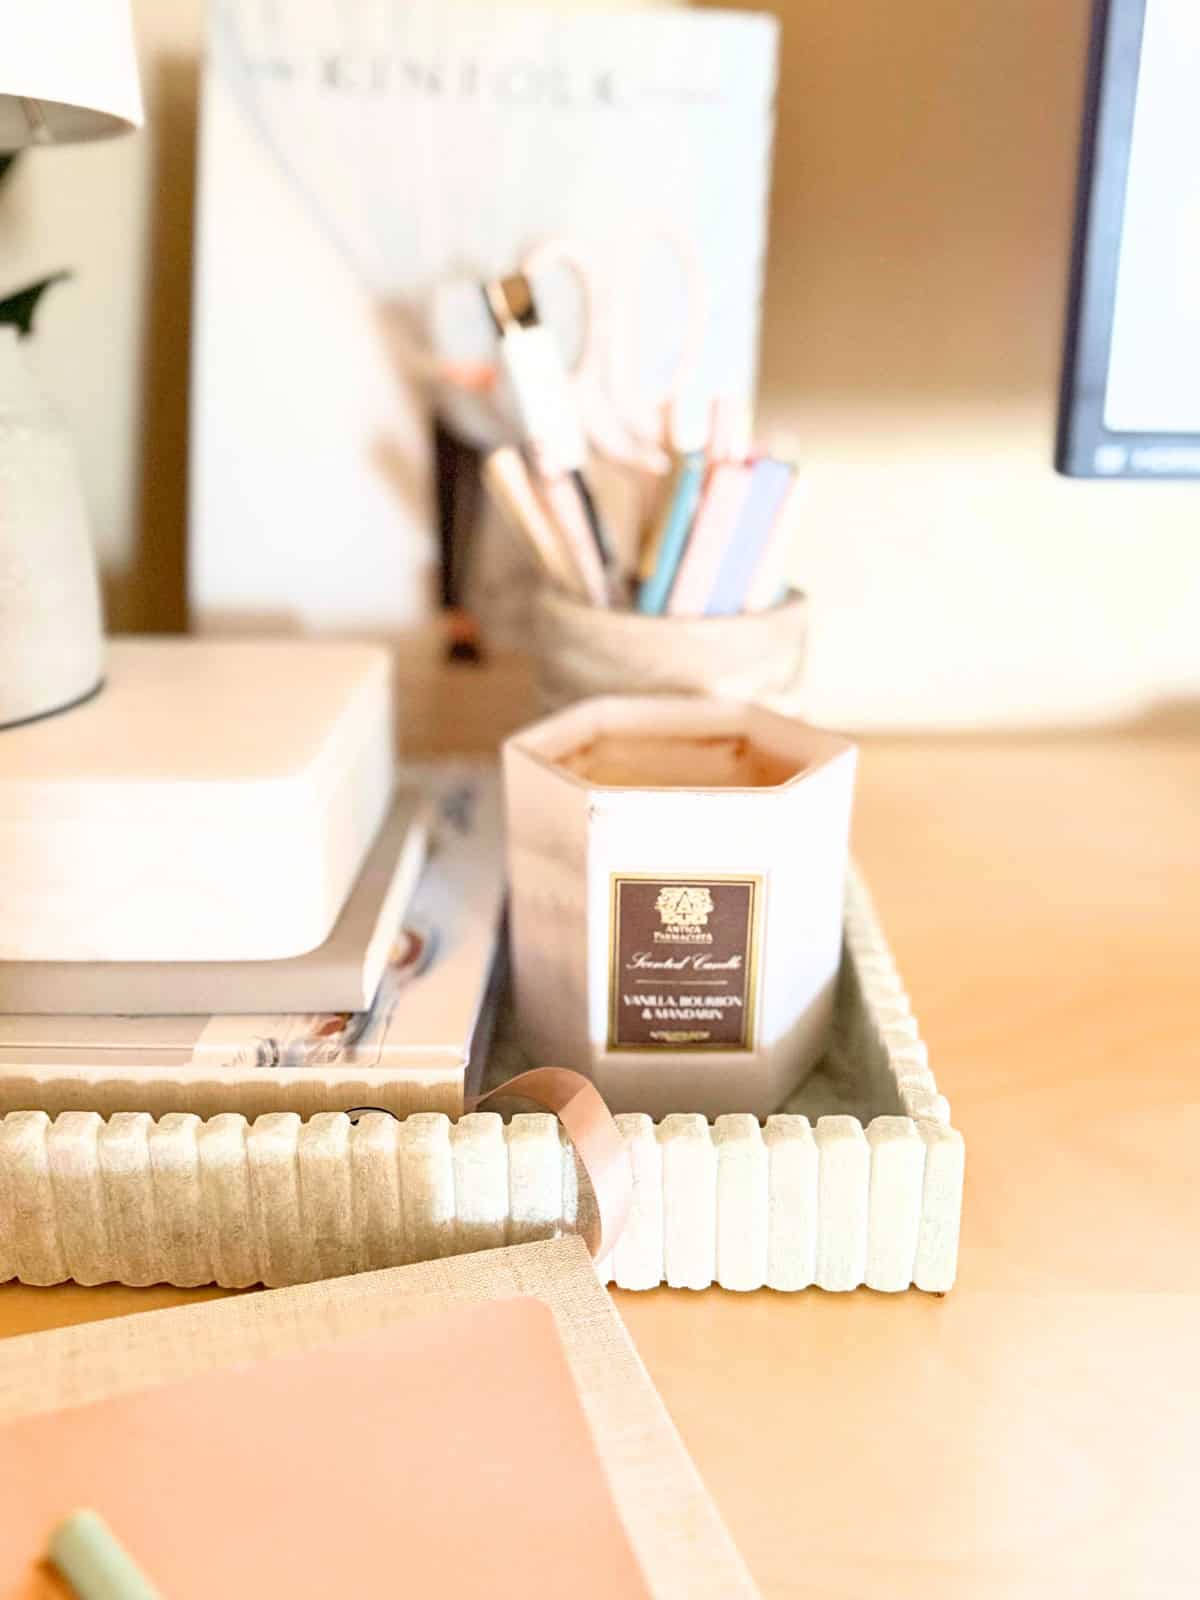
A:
(684, 905)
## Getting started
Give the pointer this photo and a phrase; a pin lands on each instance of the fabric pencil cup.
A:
(581, 651)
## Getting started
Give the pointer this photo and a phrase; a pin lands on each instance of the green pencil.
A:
(93, 1561)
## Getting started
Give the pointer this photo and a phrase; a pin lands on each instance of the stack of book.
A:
(393, 1011)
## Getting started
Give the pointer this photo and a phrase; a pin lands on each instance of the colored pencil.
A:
(770, 483)
(769, 582)
(676, 526)
(718, 520)
(507, 477)
(559, 495)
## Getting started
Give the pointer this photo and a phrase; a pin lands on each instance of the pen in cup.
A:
(662, 556)
(559, 494)
(507, 476)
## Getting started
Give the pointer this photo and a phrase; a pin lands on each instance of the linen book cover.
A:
(370, 1466)
(531, 1437)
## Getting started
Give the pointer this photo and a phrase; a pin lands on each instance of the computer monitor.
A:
(1130, 401)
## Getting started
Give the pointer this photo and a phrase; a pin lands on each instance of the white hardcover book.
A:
(375, 164)
(342, 974)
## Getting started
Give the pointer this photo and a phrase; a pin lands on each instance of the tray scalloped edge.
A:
(787, 1206)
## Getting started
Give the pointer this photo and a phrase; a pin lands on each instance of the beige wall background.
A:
(920, 228)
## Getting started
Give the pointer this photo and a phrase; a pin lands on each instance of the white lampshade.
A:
(67, 72)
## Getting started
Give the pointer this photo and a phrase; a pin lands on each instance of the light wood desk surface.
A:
(1037, 1432)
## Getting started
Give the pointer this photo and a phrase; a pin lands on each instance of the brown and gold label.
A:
(683, 954)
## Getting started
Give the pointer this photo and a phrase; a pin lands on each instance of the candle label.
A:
(683, 956)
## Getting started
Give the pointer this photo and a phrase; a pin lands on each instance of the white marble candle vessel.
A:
(677, 871)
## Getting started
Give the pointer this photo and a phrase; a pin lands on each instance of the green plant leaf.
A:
(18, 309)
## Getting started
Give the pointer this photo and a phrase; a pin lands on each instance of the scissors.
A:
(600, 330)
(624, 411)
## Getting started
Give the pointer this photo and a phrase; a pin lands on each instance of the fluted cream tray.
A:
(858, 1181)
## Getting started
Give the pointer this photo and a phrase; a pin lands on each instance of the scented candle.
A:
(676, 870)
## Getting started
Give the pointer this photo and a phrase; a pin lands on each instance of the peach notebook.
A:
(447, 1455)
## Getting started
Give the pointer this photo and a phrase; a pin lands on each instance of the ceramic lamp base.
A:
(51, 628)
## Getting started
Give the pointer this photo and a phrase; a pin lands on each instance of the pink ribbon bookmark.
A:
(580, 1107)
